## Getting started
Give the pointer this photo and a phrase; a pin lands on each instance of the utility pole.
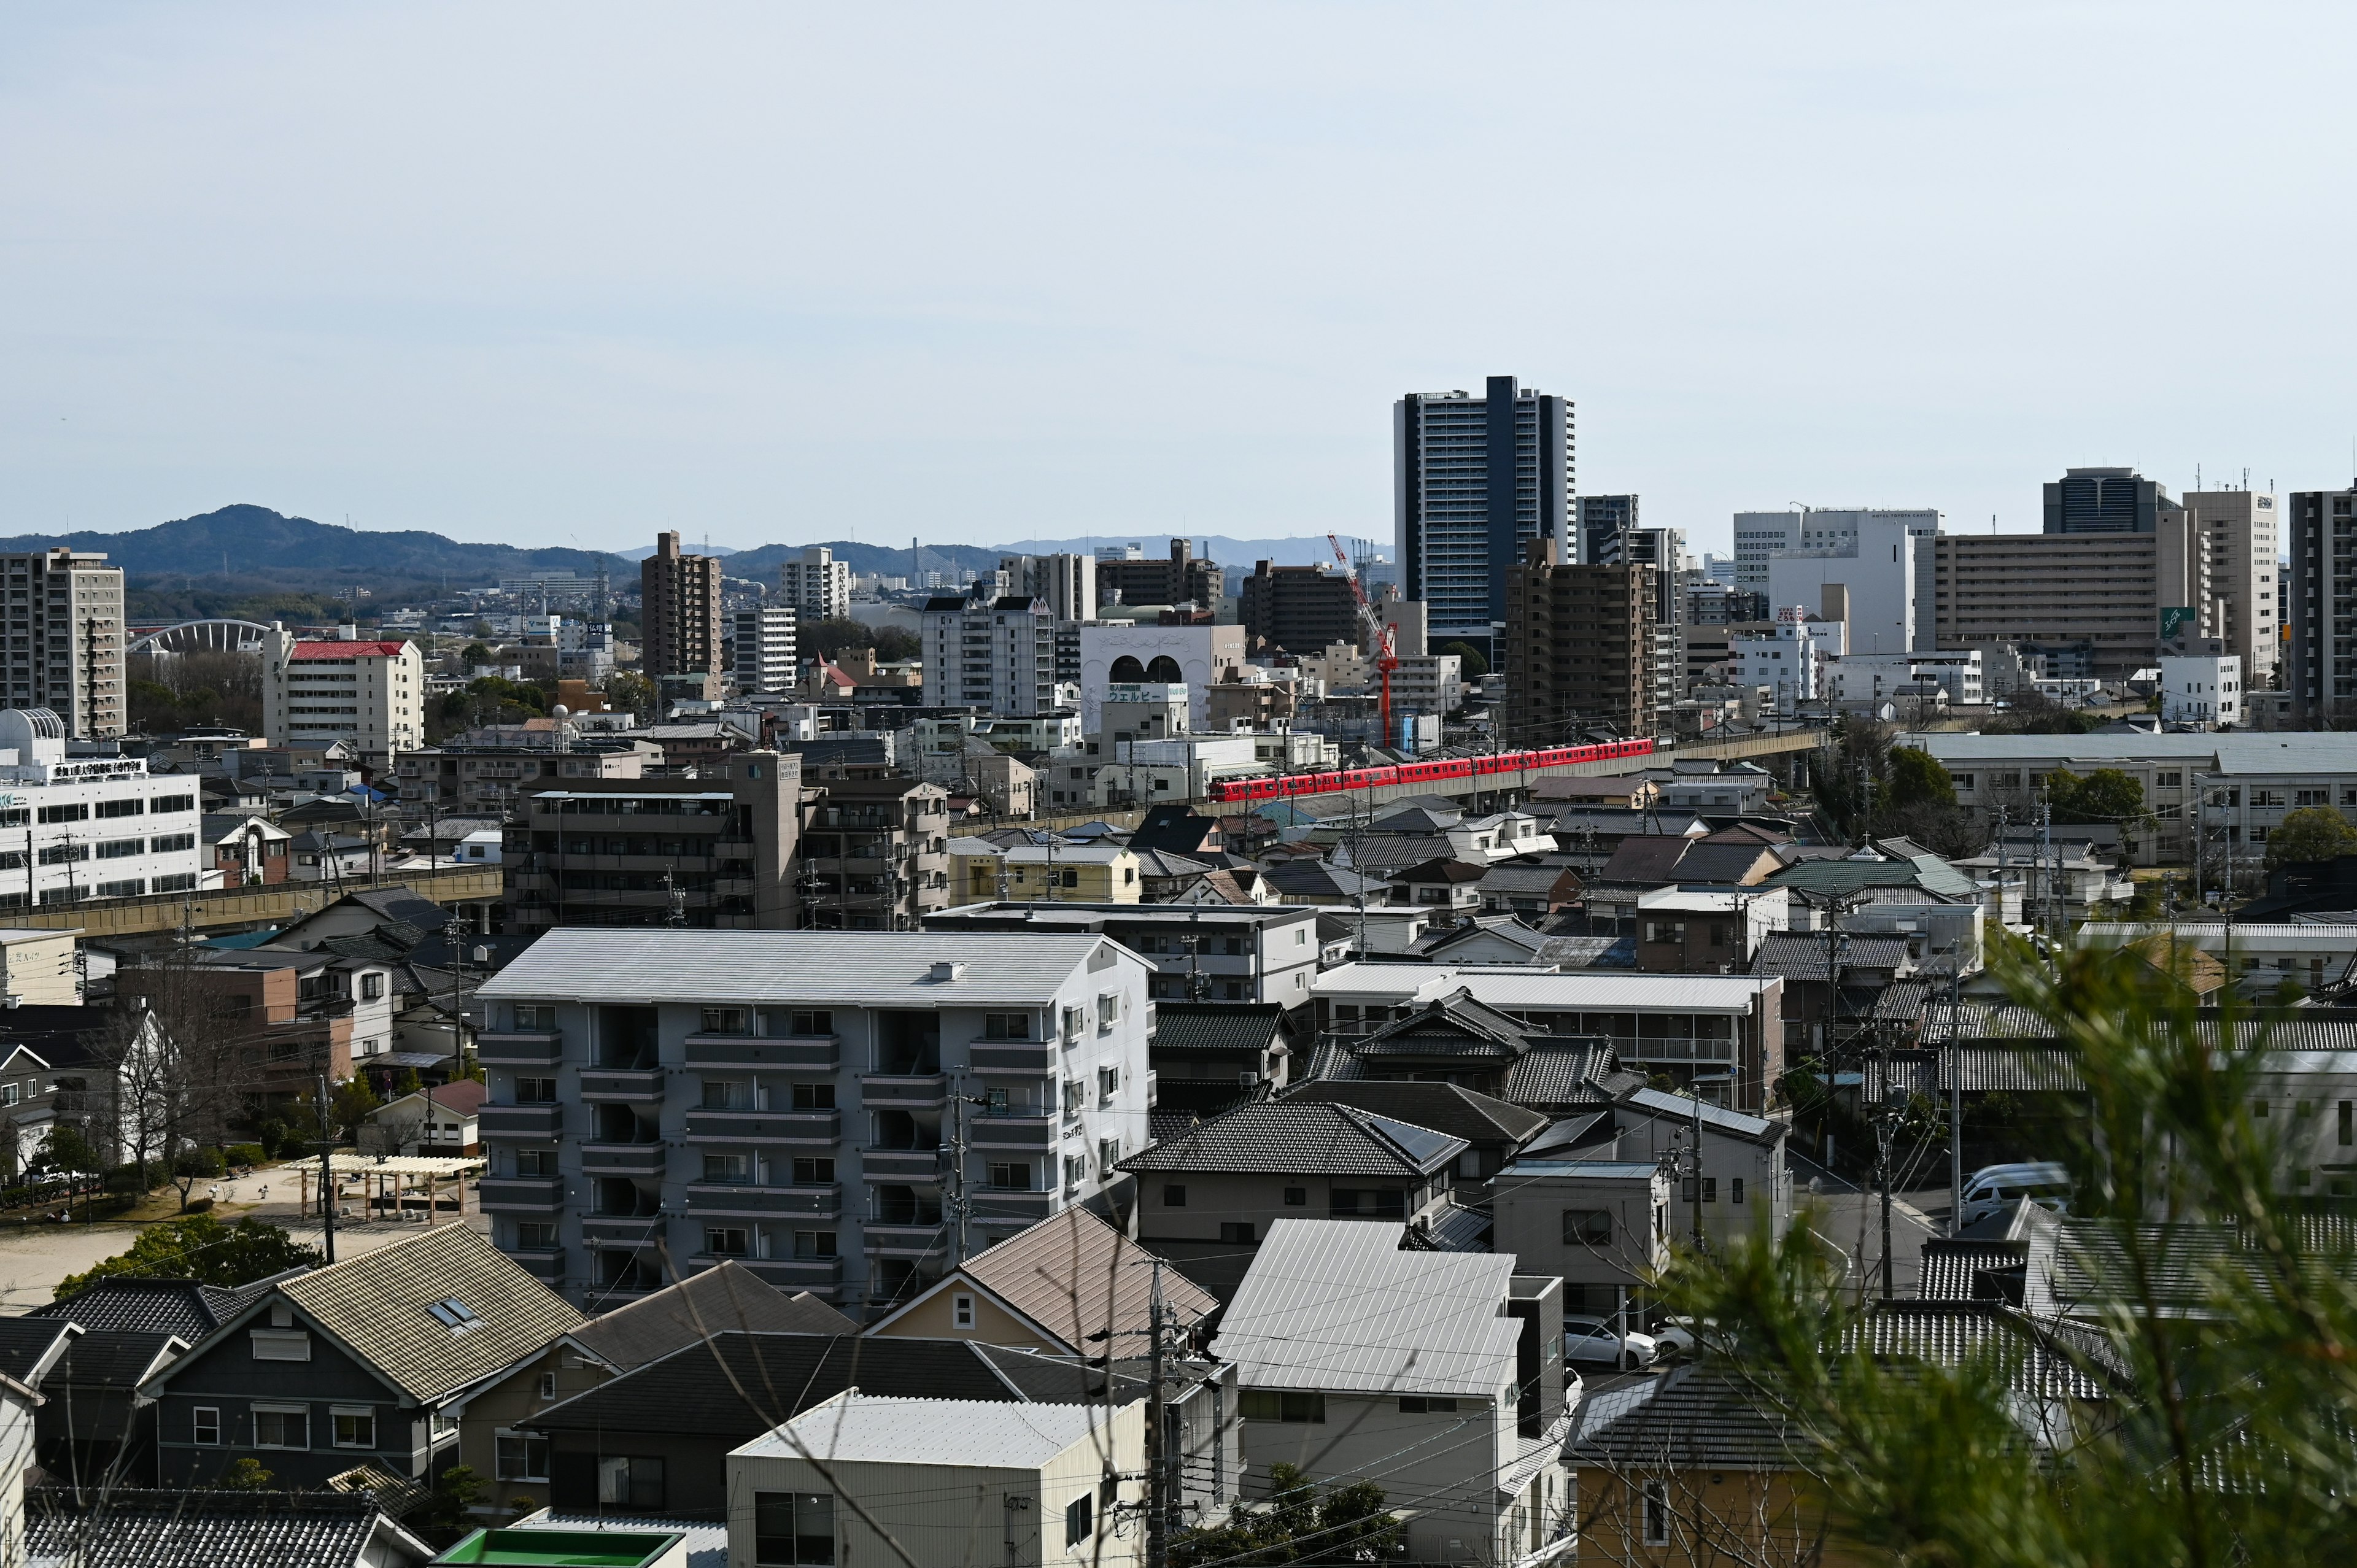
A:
(1157, 1458)
(1884, 1130)
(327, 1172)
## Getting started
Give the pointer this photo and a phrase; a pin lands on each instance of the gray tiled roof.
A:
(26, 1343)
(137, 1529)
(1687, 1417)
(1442, 1107)
(159, 1307)
(1571, 1073)
(1301, 1137)
(1800, 955)
(1217, 1026)
(113, 1359)
(725, 1296)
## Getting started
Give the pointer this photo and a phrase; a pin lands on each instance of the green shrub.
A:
(246, 1154)
(200, 1205)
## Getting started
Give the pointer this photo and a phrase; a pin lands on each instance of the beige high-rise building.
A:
(2240, 537)
(64, 643)
(1579, 649)
(679, 611)
(2100, 592)
(369, 693)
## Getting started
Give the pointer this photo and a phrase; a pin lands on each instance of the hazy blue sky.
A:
(573, 272)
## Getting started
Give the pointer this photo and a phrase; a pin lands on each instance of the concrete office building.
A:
(1191, 656)
(370, 694)
(2107, 500)
(1759, 536)
(2103, 593)
(661, 1101)
(762, 655)
(1883, 564)
(818, 586)
(996, 654)
(88, 827)
(1473, 478)
(2238, 536)
(1578, 650)
(1301, 609)
(2201, 689)
(1603, 518)
(1068, 583)
(1133, 578)
(2321, 589)
(65, 639)
(680, 625)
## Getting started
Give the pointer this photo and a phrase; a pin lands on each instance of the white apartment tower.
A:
(316, 692)
(1069, 582)
(2239, 534)
(995, 654)
(1884, 561)
(762, 649)
(818, 586)
(65, 641)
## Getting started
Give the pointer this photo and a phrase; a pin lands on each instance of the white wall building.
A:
(2201, 689)
(1789, 659)
(1069, 582)
(1882, 562)
(1148, 772)
(662, 1100)
(371, 693)
(1119, 653)
(1865, 677)
(996, 654)
(96, 827)
(763, 648)
(818, 586)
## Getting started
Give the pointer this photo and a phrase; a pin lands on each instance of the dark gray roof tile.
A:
(1301, 1137)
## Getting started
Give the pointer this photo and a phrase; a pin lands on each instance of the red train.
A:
(1279, 789)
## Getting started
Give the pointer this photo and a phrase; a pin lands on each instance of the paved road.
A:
(1852, 1220)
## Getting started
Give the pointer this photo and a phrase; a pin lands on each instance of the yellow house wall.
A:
(933, 1319)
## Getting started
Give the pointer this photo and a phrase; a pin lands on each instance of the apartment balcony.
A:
(748, 1051)
(625, 1159)
(542, 1122)
(545, 1264)
(765, 1202)
(900, 1164)
(881, 1092)
(819, 1276)
(641, 1085)
(1015, 1207)
(1032, 1134)
(519, 1047)
(1009, 1057)
(910, 1239)
(814, 1127)
(522, 1195)
(732, 849)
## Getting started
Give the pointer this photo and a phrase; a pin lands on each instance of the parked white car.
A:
(1680, 1336)
(1595, 1340)
(1992, 1189)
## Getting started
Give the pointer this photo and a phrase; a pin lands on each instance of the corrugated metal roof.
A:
(2318, 752)
(1336, 1305)
(967, 1433)
(1717, 1116)
(871, 969)
(1599, 1170)
(1519, 989)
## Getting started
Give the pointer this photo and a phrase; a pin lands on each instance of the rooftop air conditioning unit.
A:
(1247, 1079)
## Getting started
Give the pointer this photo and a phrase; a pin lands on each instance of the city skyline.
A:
(330, 264)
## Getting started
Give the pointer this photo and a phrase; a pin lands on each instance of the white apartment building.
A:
(818, 586)
(1069, 582)
(1148, 772)
(1869, 678)
(2201, 689)
(1114, 653)
(661, 1101)
(2240, 532)
(997, 654)
(1434, 683)
(64, 639)
(370, 693)
(73, 828)
(1882, 561)
(762, 649)
(1788, 658)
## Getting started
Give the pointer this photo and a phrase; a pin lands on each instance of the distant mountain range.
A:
(254, 542)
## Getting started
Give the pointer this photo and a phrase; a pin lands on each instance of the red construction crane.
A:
(1378, 632)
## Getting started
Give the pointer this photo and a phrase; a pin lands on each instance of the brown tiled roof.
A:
(725, 1296)
(377, 1304)
(1075, 1276)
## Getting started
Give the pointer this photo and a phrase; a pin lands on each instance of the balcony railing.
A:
(1012, 1131)
(901, 1164)
(751, 1051)
(899, 1091)
(818, 1275)
(641, 1085)
(519, 1121)
(519, 1047)
(764, 1126)
(533, 1194)
(759, 1202)
(1003, 1056)
(624, 1159)
(630, 1229)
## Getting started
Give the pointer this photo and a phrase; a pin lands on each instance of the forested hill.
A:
(253, 541)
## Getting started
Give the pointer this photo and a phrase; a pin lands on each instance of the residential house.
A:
(496, 1439)
(1619, 791)
(1834, 980)
(125, 1527)
(1210, 1194)
(359, 1362)
(1601, 1226)
(1163, 876)
(1451, 889)
(79, 1065)
(1719, 788)
(1690, 929)
(316, 855)
(1438, 1376)
(981, 871)
(437, 1120)
(1322, 885)
(1532, 889)
(1643, 862)
(1493, 1131)
(92, 1427)
(1746, 1181)
(301, 1013)
(1210, 1056)
(241, 850)
(901, 1476)
(664, 1100)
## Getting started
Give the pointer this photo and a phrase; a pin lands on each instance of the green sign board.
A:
(2176, 621)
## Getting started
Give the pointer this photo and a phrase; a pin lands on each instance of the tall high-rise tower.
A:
(679, 615)
(1473, 479)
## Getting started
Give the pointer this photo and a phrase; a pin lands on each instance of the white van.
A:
(1992, 1187)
